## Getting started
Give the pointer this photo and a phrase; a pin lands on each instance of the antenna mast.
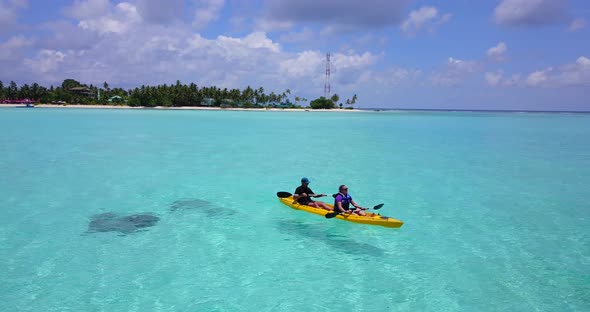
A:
(327, 81)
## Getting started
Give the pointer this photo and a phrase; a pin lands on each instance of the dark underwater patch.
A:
(191, 203)
(338, 242)
(111, 222)
(202, 206)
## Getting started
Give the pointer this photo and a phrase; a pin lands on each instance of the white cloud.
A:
(538, 77)
(583, 61)
(305, 64)
(86, 9)
(122, 19)
(392, 77)
(575, 74)
(514, 80)
(312, 63)
(348, 68)
(272, 25)
(339, 15)
(12, 48)
(497, 52)
(256, 40)
(207, 12)
(454, 72)
(9, 14)
(19, 4)
(494, 78)
(425, 17)
(160, 11)
(46, 61)
(568, 75)
(530, 12)
(301, 36)
(577, 24)
(497, 78)
(353, 60)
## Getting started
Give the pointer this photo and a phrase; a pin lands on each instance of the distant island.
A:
(173, 95)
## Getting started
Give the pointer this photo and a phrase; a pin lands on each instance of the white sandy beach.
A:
(183, 108)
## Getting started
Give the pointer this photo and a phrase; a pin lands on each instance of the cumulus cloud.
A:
(122, 19)
(571, 75)
(65, 35)
(12, 48)
(574, 74)
(497, 79)
(454, 72)
(346, 68)
(530, 12)
(19, 4)
(9, 14)
(577, 24)
(538, 77)
(497, 52)
(305, 63)
(298, 36)
(425, 17)
(392, 76)
(46, 61)
(160, 11)
(268, 25)
(338, 13)
(83, 9)
(145, 49)
(493, 78)
(144, 52)
(207, 11)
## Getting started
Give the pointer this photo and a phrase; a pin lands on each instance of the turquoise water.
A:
(495, 206)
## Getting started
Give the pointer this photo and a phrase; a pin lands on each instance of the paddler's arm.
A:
(355, 204)
(296, 196)
(338, 208)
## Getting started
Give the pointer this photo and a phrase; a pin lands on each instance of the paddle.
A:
(283, 194)
(330, 215)
(287, 194)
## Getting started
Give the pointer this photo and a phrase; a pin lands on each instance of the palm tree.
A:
(335, 98)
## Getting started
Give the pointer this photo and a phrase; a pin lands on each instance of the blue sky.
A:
(508, 54)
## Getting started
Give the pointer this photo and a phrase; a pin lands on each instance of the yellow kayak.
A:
(370, 218)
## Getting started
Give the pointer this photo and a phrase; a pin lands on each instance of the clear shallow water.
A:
(495, 208)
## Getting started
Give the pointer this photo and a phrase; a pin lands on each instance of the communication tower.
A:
(327, 81)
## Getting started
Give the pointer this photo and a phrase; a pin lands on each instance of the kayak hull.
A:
(370, 218)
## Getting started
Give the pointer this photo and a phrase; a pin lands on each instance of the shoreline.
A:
(183, 108)
(373, 110)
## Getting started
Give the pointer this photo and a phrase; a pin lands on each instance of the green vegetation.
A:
(322, 103)
(174, 95)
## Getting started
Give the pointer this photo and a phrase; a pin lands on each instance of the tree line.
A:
(173, 95)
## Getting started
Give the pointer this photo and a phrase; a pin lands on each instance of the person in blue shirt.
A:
(303, 195)
(343, 200)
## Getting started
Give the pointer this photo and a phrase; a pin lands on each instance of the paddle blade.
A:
(378, 206)
(283, 194)
(331, 215)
